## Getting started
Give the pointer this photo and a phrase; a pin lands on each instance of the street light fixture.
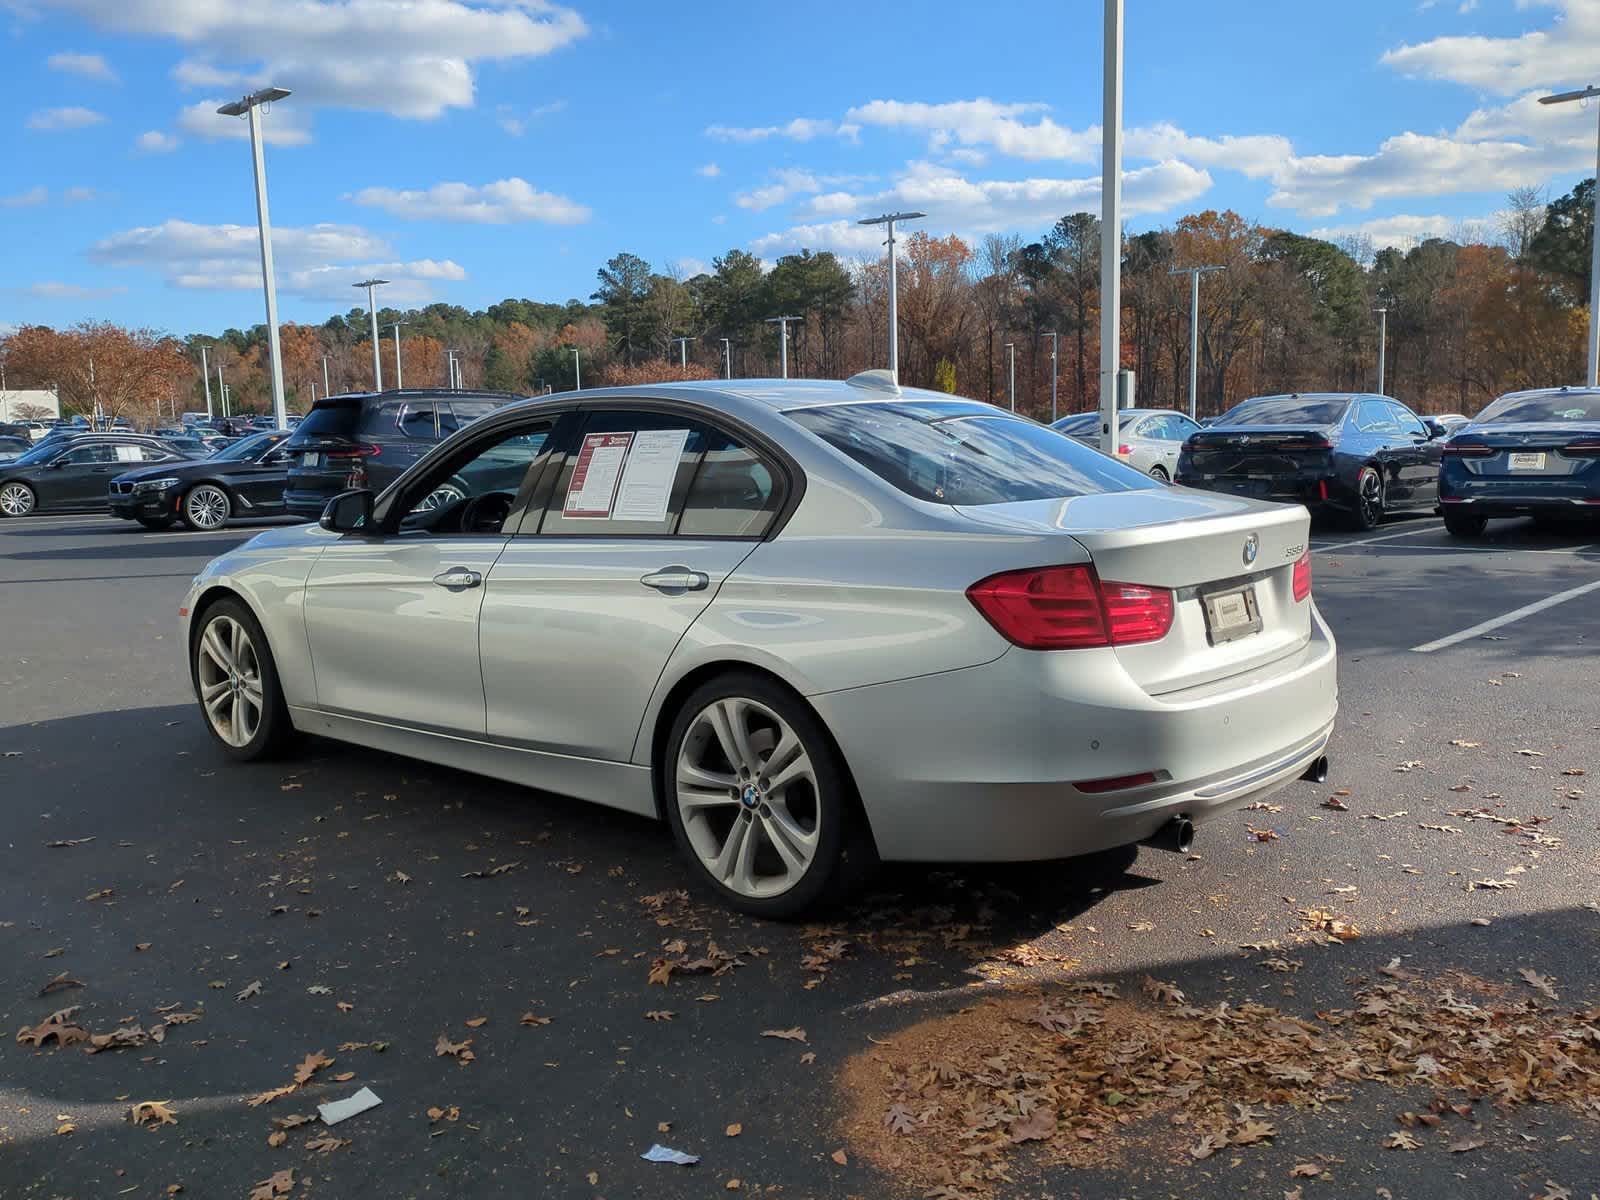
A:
(372, 312)
(326, 390)
(1383, 343)
(1194, 274)
(1111, 225)
(250, 106)
(399, 375)
(683, 353)
(1011, 373)
(727, 358)
(889, 219)
(783, 334)
(577, 370)
(1587, 93)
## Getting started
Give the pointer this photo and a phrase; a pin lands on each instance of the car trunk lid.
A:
(1553, 448)
(1219, 555)
(1258, 451)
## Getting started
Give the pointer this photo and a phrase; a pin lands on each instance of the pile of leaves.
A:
(1078, 1071)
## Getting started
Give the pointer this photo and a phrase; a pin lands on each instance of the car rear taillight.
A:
(1587, 448)
(1302, 577)
(359, 450)
(1124, 450)
(1070, 608)
(1466, 450)
(1308, 443)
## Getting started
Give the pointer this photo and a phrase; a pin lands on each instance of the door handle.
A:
(458, 577)
(676, 579)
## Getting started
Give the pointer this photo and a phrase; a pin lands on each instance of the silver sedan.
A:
(808, 624)
(1148, 439)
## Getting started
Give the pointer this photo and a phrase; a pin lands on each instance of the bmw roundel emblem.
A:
(1252, 547)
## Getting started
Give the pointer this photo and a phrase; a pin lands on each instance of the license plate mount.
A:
(311, 459)
(1527, 461)
(1231, 613)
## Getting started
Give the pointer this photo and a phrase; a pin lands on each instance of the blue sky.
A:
(473, 150)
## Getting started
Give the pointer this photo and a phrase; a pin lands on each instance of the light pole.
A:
(683, 353)
(1383, 343)
(326, 390)
(205, 374)
(1011, 373)
(399, 376)
(372, 312)
(1055, 340)
(1587, 93)
(222, 391)
(1111, 226)
(577, 370)
(889, 219)
(783, 337)
(450, 369)
(727, 358)
(250, 106)
(1194, 274)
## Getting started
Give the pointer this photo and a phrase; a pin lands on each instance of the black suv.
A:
(367, 440)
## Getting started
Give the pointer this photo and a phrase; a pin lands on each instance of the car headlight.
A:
(154, 485)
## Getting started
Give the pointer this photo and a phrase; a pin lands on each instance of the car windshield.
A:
(1286, 410)
(967, 460)
(245, 448)
(338, 418)
(1543, 406)
(43, 452)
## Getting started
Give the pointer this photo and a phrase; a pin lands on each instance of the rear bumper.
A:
(306, 504)
(1513, 495)
(978, 764)
(1315, 491)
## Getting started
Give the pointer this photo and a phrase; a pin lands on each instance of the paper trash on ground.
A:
(660, 1153)
(340, 1110)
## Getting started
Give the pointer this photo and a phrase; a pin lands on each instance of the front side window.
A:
(967, 460)
(86, 455)
(627, 475)
(1406, 421)
(476, 490)
(1373, 416)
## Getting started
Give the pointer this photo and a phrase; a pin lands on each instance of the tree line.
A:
(1469, 316)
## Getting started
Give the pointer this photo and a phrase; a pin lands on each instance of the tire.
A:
(155, 522)
(240, 642)
(1463, 524)
(1160, 472)
(804, 843)
(1367, 510)
(17, 500)
(206, 507)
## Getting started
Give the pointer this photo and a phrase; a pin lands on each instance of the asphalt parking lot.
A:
(462, 946)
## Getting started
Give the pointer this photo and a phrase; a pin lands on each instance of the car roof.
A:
(778, 395)
(1574, 390)
(414, 394)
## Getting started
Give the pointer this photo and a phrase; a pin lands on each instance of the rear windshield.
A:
(1077, 423)
(1286, 410)
(967, 460)
(1543, 406)
(338, 420)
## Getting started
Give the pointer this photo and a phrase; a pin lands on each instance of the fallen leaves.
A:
(733, 1130)
(279, 1183)
(1208, 1145)
(326, 1143)
(61, 983)
(659, 1014)
(1248, 1133)
(1157, 989)
(64, 843)
(491, 872)
(253, 988)
(1038, 1126)
(1304, 1170)
(790, 1035)
(308, 1068)
(530, 1018)
(1491, 885)
(1545, 985)
(1401, 1140)
(475, 1022)
(154, 1113)
(840, 1158)
(1336, 804)
(1322, 921)
(1466, 1145)
(101, 894)
(460, 1051)
(453, 1113)
(1261, 835)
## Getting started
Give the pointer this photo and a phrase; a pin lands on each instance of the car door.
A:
(82, 475)
(261, 482)
(392, 616)
(1379, 435)
(649, 512)
(1420, 466)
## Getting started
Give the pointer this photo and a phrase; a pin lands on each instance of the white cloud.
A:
(282, 126)
(1253, 155)
(515, 122)
(976, 207)
(1467, 6)
(983, 122)
(52, 290)
(1565, 53)
(31, 198)
(801, 129)
(709, 170)
(155, 142)
(688, 268)
(409, 58)
(969, 156)
(1405, 231)
(788, 182)
(316, 261)
(54, 120)
(500, 203)
(90, 66)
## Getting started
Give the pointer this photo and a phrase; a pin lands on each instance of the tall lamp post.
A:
(1011, 374)
(683, 353)
(727, 358)
(783, 335)
(1055, 341)
(1194, 274)
(1587, 93)
(205, 374)
(889, 219)
(250, 106)
(577, 370)
(1383, 344)
(372, 313)
(326, 390)
(399, 375)
(1111, 225)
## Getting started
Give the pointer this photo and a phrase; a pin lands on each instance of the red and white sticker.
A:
(592, 493)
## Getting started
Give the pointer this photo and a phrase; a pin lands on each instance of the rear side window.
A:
(734, 493)
(418, 421)
(967, 460)
(332, 420)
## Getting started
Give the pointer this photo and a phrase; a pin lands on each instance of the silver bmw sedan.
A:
(808, 624)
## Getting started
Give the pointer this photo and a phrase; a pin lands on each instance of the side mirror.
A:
(348, 512)
(1435, 430)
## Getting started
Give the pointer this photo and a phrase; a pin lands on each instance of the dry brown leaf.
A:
(279, 1183)
(1545, 985)
(476, 1022)
(840, 1157)
(312, 1064)
(261, 1098)
(734, 1130)
(253, 988)
(117, 1039)
(277, 1138)
(453, 1113)
(491, 872)
(1037, 1126)
(791, 1035)
(343, 1076)
(61, 983)
(326, 1143)
(1304, 1171)
(1160, 989)
(153, 1113)
(1465, 1145)
(529, 1018)
(1248, 1133)
(809, 1057)
(460, 1051)
(64, 1034)
(660, 1014)
(1336, 804)
(1401, 1140)
(1208, 1145)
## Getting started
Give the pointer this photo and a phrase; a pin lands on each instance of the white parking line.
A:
(1516, 614)
(1387, 537)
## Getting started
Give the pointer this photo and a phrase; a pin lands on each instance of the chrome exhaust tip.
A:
(1317, 772)
(1176, 835)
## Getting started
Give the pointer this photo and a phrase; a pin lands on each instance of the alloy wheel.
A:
(16, 500)
(1371, 498)
(746, 790)
(206, 507)
(229, 673)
